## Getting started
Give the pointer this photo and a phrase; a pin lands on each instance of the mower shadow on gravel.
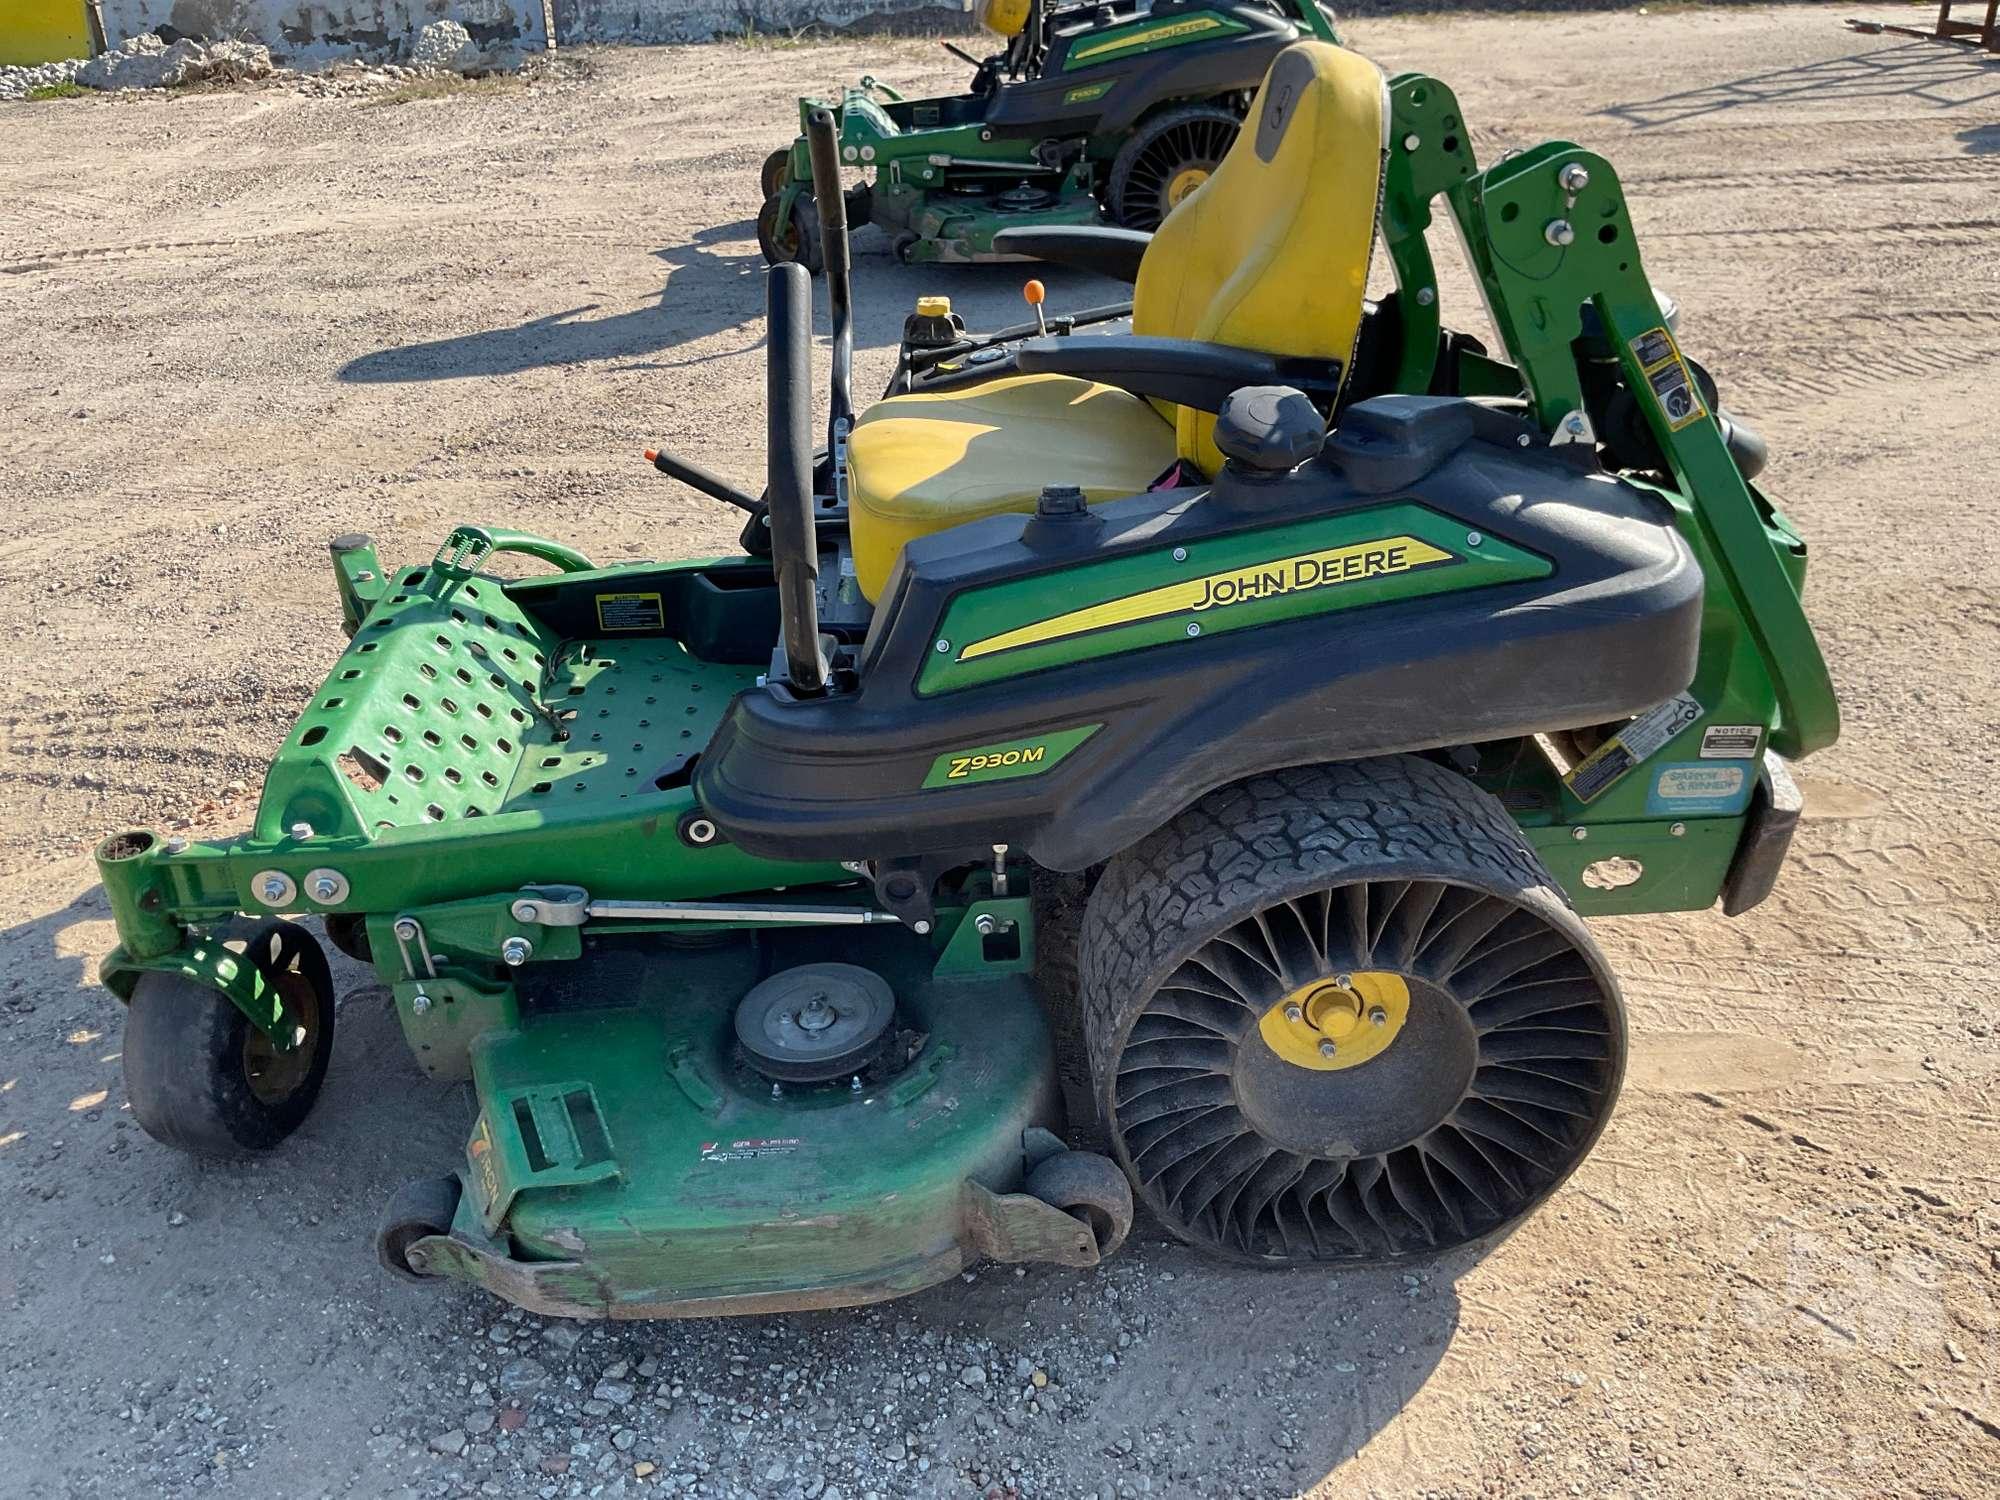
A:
(713, 287)
(1921, 72)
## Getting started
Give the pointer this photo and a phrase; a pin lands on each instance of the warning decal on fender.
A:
(1591, 777)
(1673, 387)
(1731, 741)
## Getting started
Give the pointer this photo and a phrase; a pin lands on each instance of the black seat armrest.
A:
(1183, 371)
(1107, 252)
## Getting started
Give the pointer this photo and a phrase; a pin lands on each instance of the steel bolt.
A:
(1327, 1048)
(1559, 232)
(527, 911)
(921, 928)
(942, 647)
(1579, 834)
(1378, 1016)
(274, 888)
(1473, 539)
(1678, 830)
(1426, 296)
(1574, 177)
(302, 830)
(176, 845)
(983, 924)
(1574, 423)
(1294, 1013)
(516, 951)
(1180, 554)
(1194, 628)
(854, 1083)
(1412, 141)
(420, 1005)
(1343, 981)
(326, 888)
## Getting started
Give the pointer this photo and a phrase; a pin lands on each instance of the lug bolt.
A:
(274, 888)
(1294, 1013)
(1559, 232)
(1327, 1048)
(1379, 1016)
(1574, 177)
(1343, 981)
(516, 951)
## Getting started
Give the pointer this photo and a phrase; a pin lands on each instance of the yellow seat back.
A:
(1271, 253)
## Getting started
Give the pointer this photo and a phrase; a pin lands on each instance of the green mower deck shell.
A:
(634, 1166)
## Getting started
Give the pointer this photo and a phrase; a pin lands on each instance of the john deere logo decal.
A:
(1329, 568)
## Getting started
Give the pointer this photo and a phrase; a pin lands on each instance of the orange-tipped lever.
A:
(1034, 292)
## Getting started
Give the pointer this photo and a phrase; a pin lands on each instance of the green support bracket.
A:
(207, 962)
(1430, 152)
(1547, 231)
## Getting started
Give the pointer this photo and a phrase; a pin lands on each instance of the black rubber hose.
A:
(789, 471)
(823, 139)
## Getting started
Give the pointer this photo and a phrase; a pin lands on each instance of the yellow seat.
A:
(1271, 253)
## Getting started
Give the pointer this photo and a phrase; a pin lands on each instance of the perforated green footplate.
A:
(453, 702)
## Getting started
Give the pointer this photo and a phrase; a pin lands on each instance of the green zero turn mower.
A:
(1344, 663)
(1092, 113)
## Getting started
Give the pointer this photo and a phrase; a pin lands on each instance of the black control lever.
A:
(789, 472)
(823, 139)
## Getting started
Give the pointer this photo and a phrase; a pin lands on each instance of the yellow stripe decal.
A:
(1158, 34)
(1283, 575)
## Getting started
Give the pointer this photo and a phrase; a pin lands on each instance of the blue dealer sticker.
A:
(1688, 788)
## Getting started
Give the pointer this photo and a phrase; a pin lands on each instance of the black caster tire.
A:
(348, 932)
(1167, 157)
(201, 1078)
(420, 1209)
(1343, 1014)
(1089, 1188)
(796, 240)
(777, 167)
(902, 246)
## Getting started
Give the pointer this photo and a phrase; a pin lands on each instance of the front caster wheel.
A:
(1343, 1014)
(419, 1210)
(794, 239)
(1089, 1188)
(777, 167)
(202, 1078)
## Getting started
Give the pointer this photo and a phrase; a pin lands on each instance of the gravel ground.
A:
(241, 321)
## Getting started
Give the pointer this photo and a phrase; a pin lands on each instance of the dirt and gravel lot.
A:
(238, 322)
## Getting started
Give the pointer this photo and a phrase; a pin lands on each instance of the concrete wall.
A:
(317, 30)
(700, 20)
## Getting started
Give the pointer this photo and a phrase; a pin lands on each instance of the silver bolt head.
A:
(1412, 141)
(921, 928)
(1678, 830)
(1574, 177)
(1294, 1013)
(1579, 834)
(421, 1004)
(1559, 232)
(1574, 422)
(983, 924)
(274, 889)
(1426, 295)
(942, 647)
(1473, 538)
(326, 888)
(1344, 981)
(1194, 628)
(1378, 1016)
(1180, 554)
(516, 951)
(176, 845)
(527, 911)
(302, 830)
(701, 831)
(1327, 1048)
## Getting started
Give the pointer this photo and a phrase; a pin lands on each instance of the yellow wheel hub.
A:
(1337, 1022)
(1185, 181)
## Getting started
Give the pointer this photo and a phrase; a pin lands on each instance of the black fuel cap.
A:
(1269, 429)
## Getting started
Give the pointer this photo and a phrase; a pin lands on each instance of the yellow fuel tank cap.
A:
(933, 307)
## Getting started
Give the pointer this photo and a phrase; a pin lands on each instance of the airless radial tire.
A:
(1342, 1013)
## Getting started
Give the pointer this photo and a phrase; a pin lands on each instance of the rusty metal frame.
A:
(1984, 35)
